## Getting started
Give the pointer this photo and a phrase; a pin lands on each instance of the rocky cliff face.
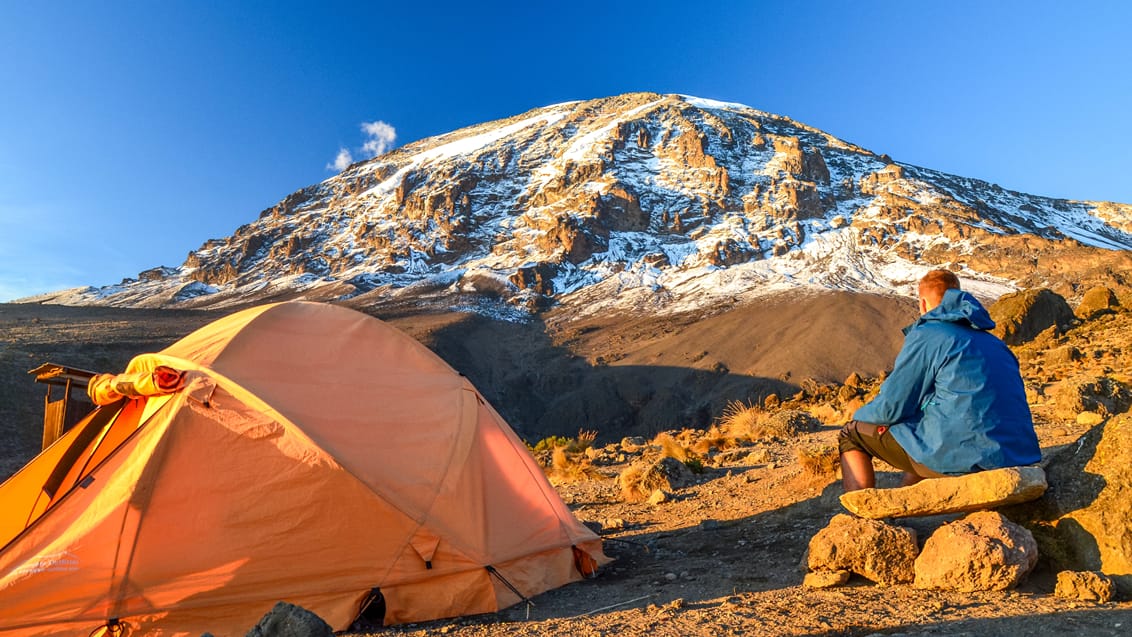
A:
(663, 202)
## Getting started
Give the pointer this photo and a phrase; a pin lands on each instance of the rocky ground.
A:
(722, 554)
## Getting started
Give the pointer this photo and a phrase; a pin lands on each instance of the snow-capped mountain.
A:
(664, 202)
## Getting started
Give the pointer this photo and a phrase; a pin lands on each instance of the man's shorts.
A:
(877, 442)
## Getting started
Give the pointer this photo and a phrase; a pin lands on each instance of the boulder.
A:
(1087, 586)
(973, 492)
(1097, 301)
(1022, 315)
(980, 552)
(1084, 521)
(289, 620)
(872, 549)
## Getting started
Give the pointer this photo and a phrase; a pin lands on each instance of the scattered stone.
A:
(758, 456)
(614, 524)
(786, 423)
(825, 579)
(1087, 586)
(1081, 523)
(1104, 395)
(672, 577)
(972, 492)
(981, 552)
(632, 443)
(659, 496)
(874, 550)
(1064, 355)
(709, 525)
(289, 620)
(1089, 419)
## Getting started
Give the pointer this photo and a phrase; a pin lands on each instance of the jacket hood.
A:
(958, 306)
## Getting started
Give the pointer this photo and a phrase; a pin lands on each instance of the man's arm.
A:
(906, 388)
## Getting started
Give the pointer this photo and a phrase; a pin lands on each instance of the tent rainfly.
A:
(298, 451)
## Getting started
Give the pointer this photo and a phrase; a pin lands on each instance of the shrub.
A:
(550, 443)
(584, 441)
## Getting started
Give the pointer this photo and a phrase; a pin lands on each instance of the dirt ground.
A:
(722, 557)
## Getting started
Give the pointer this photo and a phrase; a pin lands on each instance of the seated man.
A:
(953, 404)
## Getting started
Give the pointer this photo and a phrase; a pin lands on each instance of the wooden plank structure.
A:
(60, 413)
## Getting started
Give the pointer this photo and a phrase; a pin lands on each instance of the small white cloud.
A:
(381, 137)
(342, 161)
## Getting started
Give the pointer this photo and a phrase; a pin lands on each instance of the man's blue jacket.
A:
(955, 400)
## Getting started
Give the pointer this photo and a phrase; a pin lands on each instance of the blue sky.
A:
(131, 132)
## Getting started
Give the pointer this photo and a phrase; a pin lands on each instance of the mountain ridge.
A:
(638, 202)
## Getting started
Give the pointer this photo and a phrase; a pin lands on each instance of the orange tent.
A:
(311, 454)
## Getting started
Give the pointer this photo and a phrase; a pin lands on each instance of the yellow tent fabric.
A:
(312, 455)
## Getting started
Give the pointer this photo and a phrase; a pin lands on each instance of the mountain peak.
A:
(637, 201)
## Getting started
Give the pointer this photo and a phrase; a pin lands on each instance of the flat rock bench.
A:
(936, 496)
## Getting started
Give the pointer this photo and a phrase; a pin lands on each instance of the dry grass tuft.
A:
(638, 481)
(715, 438)
(585, 440)
(821, 462)
(565, 469)
(740, 419)
(670, 447)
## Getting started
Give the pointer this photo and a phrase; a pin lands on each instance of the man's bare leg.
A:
(910, 479)
(857, 470)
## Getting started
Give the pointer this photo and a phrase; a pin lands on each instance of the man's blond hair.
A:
(935, 283)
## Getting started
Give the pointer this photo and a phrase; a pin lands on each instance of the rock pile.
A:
(980, 552)
(1082, 523)
(1079, 524)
